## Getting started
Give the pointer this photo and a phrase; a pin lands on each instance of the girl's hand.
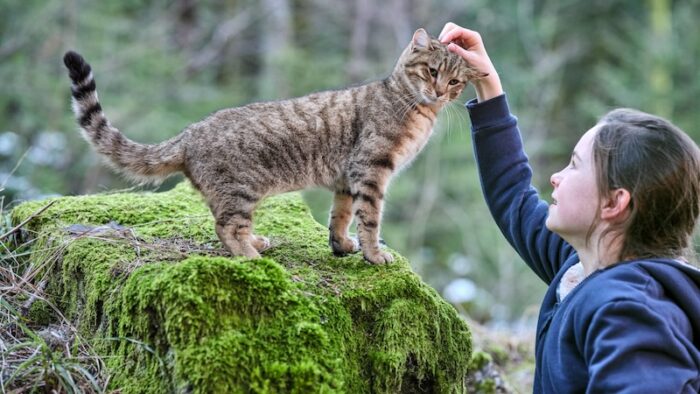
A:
(469, 45)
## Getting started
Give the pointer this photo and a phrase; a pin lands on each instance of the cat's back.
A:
(308, 137)
(324, 114)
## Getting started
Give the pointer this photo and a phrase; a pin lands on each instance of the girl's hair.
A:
(659, 165)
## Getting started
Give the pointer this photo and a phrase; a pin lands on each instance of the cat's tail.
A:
(144, 163)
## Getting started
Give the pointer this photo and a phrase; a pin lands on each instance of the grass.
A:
(35, 356)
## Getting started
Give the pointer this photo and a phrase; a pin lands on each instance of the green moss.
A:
(487, 386)
(499, 354)
(179, 211)
(230, 324)
(297, 320)
(41, 313)
(479, 360)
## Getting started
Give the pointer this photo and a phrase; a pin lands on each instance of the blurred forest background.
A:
(161, 65)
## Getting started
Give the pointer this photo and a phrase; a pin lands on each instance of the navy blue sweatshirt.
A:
(633, 327)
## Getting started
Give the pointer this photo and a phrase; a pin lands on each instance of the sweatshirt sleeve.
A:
(652, 357)
(506, 183)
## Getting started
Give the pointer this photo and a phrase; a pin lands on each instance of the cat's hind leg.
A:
(237, 238)
(233, 212)
(340, 219)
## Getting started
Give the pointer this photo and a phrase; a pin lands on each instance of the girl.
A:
(622, 311)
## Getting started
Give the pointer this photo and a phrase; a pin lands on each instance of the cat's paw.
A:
(380, 257)
(343, 246)
(252, 254)
(260, 243)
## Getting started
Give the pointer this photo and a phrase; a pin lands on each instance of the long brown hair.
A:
(659, 165)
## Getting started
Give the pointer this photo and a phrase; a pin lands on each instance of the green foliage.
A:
(297, 320)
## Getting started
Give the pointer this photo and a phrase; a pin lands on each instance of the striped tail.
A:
(145, 163)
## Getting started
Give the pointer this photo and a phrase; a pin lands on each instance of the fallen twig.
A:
(25, 221)
(33, 296)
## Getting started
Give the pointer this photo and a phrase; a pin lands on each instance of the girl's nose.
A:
(554, 179)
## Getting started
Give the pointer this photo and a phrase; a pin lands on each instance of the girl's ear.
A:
(616, 206)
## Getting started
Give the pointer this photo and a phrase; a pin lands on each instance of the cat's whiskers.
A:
(403, 110)
(449, 117)
(408, 103)
(462, 114)
(448, 114)
(456, 108)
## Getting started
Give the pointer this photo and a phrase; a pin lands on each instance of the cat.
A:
(350, 141)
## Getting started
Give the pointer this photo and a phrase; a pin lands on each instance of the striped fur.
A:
(145, 163)
(350, 141)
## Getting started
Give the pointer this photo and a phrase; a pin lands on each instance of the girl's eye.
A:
(433, 73)
(453, 82)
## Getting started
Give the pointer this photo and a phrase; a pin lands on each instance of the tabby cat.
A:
(350, 141)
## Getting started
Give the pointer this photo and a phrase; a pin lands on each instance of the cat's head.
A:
(435, 74)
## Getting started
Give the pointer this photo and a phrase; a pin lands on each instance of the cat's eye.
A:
(433, 72)
(453, 82)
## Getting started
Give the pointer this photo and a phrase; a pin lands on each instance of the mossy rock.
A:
(143, 277)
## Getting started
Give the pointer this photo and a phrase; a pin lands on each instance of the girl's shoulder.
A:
(641, 279)
(665, 287)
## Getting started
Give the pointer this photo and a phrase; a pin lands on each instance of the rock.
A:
(145, 280)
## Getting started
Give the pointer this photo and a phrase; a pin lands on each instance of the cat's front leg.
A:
(368, 201)
(340, 219)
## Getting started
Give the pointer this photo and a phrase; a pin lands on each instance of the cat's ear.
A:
(421, 40)
(473, 74)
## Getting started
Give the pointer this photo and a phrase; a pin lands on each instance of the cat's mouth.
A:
(431, 99)
(428, 99)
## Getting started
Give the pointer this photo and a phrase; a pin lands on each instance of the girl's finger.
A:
(467, 38)
(448, 27)
(465, 54)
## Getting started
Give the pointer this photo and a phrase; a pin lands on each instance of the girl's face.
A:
(575, 198)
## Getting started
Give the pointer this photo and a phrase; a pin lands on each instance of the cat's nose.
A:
(439, 93)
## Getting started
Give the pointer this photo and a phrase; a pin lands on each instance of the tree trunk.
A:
(357, 66)
(659, 77)
(276, 41)
(185, 23)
